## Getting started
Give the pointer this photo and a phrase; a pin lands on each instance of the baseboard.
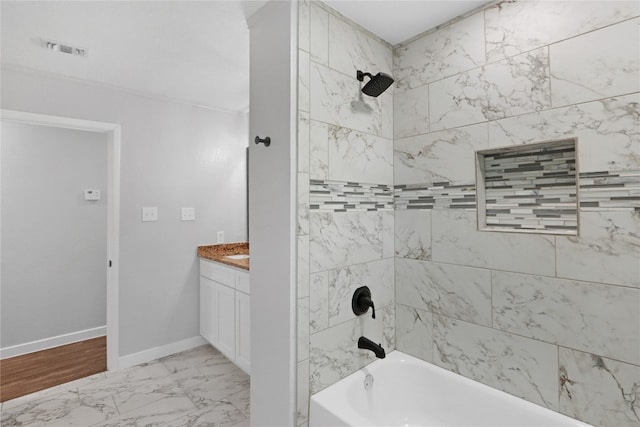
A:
(44, 344)
(161, 351)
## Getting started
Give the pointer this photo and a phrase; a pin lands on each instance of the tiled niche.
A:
(528, 188)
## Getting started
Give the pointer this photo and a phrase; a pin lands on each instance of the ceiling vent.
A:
(65, 48)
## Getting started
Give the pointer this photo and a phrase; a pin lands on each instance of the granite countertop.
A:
(219, 253)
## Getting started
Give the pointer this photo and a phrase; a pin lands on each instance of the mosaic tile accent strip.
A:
(619, 190)
(605, 190)
(439, 195)
(529, 188)
(337, 196)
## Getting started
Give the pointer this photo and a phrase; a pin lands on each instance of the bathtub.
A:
(409, 392)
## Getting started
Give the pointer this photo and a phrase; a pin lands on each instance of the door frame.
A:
(113, 133)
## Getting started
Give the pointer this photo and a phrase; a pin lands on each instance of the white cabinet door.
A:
(208, 310)
(243, 333)
(243, 282)
(226, 317)
(225, 311)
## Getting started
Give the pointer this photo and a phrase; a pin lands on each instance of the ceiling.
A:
(397, 20)
(190, 51)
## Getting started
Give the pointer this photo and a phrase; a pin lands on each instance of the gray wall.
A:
(552, 319)
(54, 243)
(173, 155)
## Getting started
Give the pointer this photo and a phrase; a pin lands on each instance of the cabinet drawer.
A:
(218, 273)
(243, 282)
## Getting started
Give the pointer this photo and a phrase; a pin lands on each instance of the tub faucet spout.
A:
(367, 344)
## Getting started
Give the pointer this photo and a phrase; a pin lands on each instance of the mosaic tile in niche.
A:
(528, 187)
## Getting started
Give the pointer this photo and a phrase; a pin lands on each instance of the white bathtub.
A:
(409, 392)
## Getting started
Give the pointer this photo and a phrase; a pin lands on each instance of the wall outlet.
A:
(188, 214)
(149, 214)
(220, 236)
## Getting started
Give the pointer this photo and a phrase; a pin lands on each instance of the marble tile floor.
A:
(195, 388)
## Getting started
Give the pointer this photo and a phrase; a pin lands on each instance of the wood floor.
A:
(32, 372)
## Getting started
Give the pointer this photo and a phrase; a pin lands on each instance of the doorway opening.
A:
(88, 340)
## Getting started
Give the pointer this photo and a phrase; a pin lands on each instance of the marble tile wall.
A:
(345, 199)
(552, 319)
(561, 313)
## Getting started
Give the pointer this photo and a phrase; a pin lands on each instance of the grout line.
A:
(533, 339)
(560, 346)
(352, 129)
(484, 27)
(490, 122)
(497, 270)
(593, 30)
(342, 73)
(352, 23)
(491, 297)
(448, 24)
(115, 405)
(529, 50)
(550, 76)
(355, 319)
(328, 40)
(352, 265)
(557, 382)
(431, 245)
(555, 253)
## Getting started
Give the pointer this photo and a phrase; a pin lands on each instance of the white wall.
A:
(272, 216)
(173, 155)
(54, 243)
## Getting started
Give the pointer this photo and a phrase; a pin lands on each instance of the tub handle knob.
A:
(361, 301)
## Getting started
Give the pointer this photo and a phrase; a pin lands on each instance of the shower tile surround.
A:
(346, 209)
(550, 318)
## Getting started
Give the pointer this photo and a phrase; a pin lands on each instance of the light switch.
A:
(149, 214)
(188, 214)
(220, 237)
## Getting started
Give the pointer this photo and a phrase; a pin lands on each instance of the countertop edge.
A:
(218, 253)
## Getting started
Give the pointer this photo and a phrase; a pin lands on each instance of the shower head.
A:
(377, 84)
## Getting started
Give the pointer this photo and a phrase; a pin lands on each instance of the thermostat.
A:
(92, 194)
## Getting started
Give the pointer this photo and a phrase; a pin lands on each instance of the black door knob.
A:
(266, 141)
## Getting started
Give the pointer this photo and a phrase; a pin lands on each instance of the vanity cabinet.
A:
(225, 304)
